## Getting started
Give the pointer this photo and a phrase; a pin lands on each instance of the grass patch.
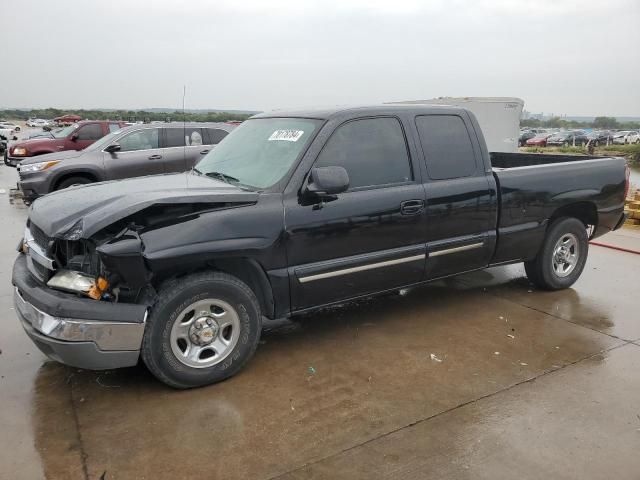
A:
(630, 152)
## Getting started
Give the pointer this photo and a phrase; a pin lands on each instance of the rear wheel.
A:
(204, 329)
(563, 255)
(72, 182)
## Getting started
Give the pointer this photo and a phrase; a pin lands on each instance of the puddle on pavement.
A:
(316, 386)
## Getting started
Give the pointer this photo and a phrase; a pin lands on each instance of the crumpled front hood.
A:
(99, 205)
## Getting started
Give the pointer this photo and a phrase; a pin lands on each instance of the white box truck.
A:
(499, 117)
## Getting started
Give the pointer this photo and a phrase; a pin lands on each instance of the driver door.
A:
(369, 238)
(140, 154)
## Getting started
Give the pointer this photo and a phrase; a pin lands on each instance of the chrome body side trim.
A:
(361, 268)
(462, 248)
(106, 335)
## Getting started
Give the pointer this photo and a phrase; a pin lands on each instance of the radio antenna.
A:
(184, 126)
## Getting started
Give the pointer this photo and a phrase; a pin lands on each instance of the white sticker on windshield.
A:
(286, 135)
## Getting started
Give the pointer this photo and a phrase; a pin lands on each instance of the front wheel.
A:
(204, 328)
(563, 255)
(72, 182)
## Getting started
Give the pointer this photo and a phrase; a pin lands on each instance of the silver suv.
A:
(130, 152)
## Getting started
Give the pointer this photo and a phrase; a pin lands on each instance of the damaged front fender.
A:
(123, 255)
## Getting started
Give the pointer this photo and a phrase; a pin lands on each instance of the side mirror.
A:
(327, 181)
(74, 137)
(114, 147)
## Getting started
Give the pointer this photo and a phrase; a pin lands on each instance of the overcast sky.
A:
(561, 56)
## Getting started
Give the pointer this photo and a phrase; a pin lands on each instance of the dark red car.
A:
(73, 137)
(540, 140)
(67, 119)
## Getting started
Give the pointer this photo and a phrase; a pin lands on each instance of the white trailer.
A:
(499, 117)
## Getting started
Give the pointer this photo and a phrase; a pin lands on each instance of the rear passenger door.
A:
(182, 147)
(461, 201)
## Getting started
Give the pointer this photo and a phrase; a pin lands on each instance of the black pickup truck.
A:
(294, 211)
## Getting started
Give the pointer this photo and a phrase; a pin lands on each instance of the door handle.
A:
(155, 157)
(204, 152)
(411, 207)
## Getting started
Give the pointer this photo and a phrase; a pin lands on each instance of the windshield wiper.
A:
(222, 176)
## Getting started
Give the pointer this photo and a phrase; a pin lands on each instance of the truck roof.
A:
(337, 111)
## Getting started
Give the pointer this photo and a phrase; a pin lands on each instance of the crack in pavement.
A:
(456, 407)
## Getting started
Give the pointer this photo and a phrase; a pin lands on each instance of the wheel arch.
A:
(585, 211)
(247, 270)
(62, 176)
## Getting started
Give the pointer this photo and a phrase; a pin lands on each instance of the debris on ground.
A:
(435, 358)
(511, 336)
(496, 353)
(311, 370)
(524, 364)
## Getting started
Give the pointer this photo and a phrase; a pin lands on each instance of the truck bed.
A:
(532, 187)
(502, 160)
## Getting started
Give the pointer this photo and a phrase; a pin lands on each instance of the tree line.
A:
(601, 123)
(124, 115)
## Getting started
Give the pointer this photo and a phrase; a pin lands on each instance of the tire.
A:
(548, 274)
(638, 141)
(71, 181)
(171, 325)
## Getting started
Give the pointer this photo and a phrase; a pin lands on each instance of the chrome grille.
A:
(39, 236)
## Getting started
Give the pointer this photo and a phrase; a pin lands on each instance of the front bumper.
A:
(14, 161)
(76, 331)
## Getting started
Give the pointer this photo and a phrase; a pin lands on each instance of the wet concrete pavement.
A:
(523, 384)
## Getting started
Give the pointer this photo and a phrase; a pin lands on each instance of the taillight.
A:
(627, 182)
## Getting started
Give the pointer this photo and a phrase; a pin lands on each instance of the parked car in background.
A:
(130, 152)
(599, 137)
(73, 137)
(626, 136)
(8, 133)
(10, 125)
(540, 140)
(37, 122)
(568, 138)
(524, 136)
(67, 119)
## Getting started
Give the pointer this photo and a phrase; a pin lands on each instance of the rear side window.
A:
(93, 131)
(216, 135)
(179, 137)
(372, 150)
(447, 146)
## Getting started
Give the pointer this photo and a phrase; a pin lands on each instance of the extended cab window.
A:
(93, 131)
(113, 127)
(179, 137)
(373, 151)
(446, 146)
(141, 140)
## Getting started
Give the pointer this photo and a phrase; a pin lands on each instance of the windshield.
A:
(260, 151)
(64, 132)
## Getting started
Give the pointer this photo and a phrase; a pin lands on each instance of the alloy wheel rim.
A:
(566, 254)
(205, 333)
